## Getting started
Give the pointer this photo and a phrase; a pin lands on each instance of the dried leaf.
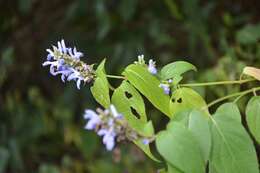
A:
(252, 71)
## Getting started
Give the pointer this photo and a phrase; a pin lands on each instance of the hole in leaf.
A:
(173, 100)
(179, 100)
(133, 110)
(128, 95)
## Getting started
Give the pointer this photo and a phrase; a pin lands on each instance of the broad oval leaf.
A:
(176, 69)
(130, 103)
(100, 88)
(185, 99)
(198, 124)
(148, 85)
(179, 147)
(253, 72)
(229, 110)
(232, 149)
(253, 117)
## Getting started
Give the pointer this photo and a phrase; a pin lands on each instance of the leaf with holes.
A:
(176, 69)
(185, 99)
(232, 149)
(148, 85)
(100, 88)
(198, 123)
(179, 148)
(253, 117)
(130, 103)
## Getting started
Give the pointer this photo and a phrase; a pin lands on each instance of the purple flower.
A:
(166, 88)
(66, 62)
(146, 141)
(93, 119)
(76, 76)
(151, 67)
(109, 136)
(111, 126)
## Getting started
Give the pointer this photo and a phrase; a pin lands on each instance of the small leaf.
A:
(253, 72)
(229, 110)
(176, 69)
(148, 85)
(126, 99)
(179, 147)
(100, 88)
(184, 99)
(232, 149)
(253, 117)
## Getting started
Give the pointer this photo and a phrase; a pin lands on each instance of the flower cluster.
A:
(112, 126)
(66, 62)
(151, 64)
(166, 86)
(151, 67)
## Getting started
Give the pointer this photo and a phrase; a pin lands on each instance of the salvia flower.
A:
(66, 62)
(111, 126)
(165, 87)
(151, 67)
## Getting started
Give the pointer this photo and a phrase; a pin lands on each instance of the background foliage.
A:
(41, 125)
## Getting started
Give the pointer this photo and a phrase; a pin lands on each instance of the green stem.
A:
(115, 77)
(239, 94)
(217, 83)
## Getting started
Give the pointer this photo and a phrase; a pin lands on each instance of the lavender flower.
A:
(111, 126)
(165, 87)
(151, 67)
(94, 119)
(66, 62)
(109, 136)
(146, 141)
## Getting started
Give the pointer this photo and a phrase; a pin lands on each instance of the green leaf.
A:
(253, 117)
(179, 147)
(126, 98)
(232, 149)
(130, 103)
(229, 110)
(4, 156)
(172, 169)
(100, 88)
(197, 122)
(185, 99)
(176, 69)
(148, 85)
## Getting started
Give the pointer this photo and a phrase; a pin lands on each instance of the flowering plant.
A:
(194, 140)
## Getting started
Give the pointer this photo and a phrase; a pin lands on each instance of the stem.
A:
(240, 94)
(217, 83)
(115, 77)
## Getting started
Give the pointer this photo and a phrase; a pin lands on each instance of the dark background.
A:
(41, 124)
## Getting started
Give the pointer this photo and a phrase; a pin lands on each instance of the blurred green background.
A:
(41, 124)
